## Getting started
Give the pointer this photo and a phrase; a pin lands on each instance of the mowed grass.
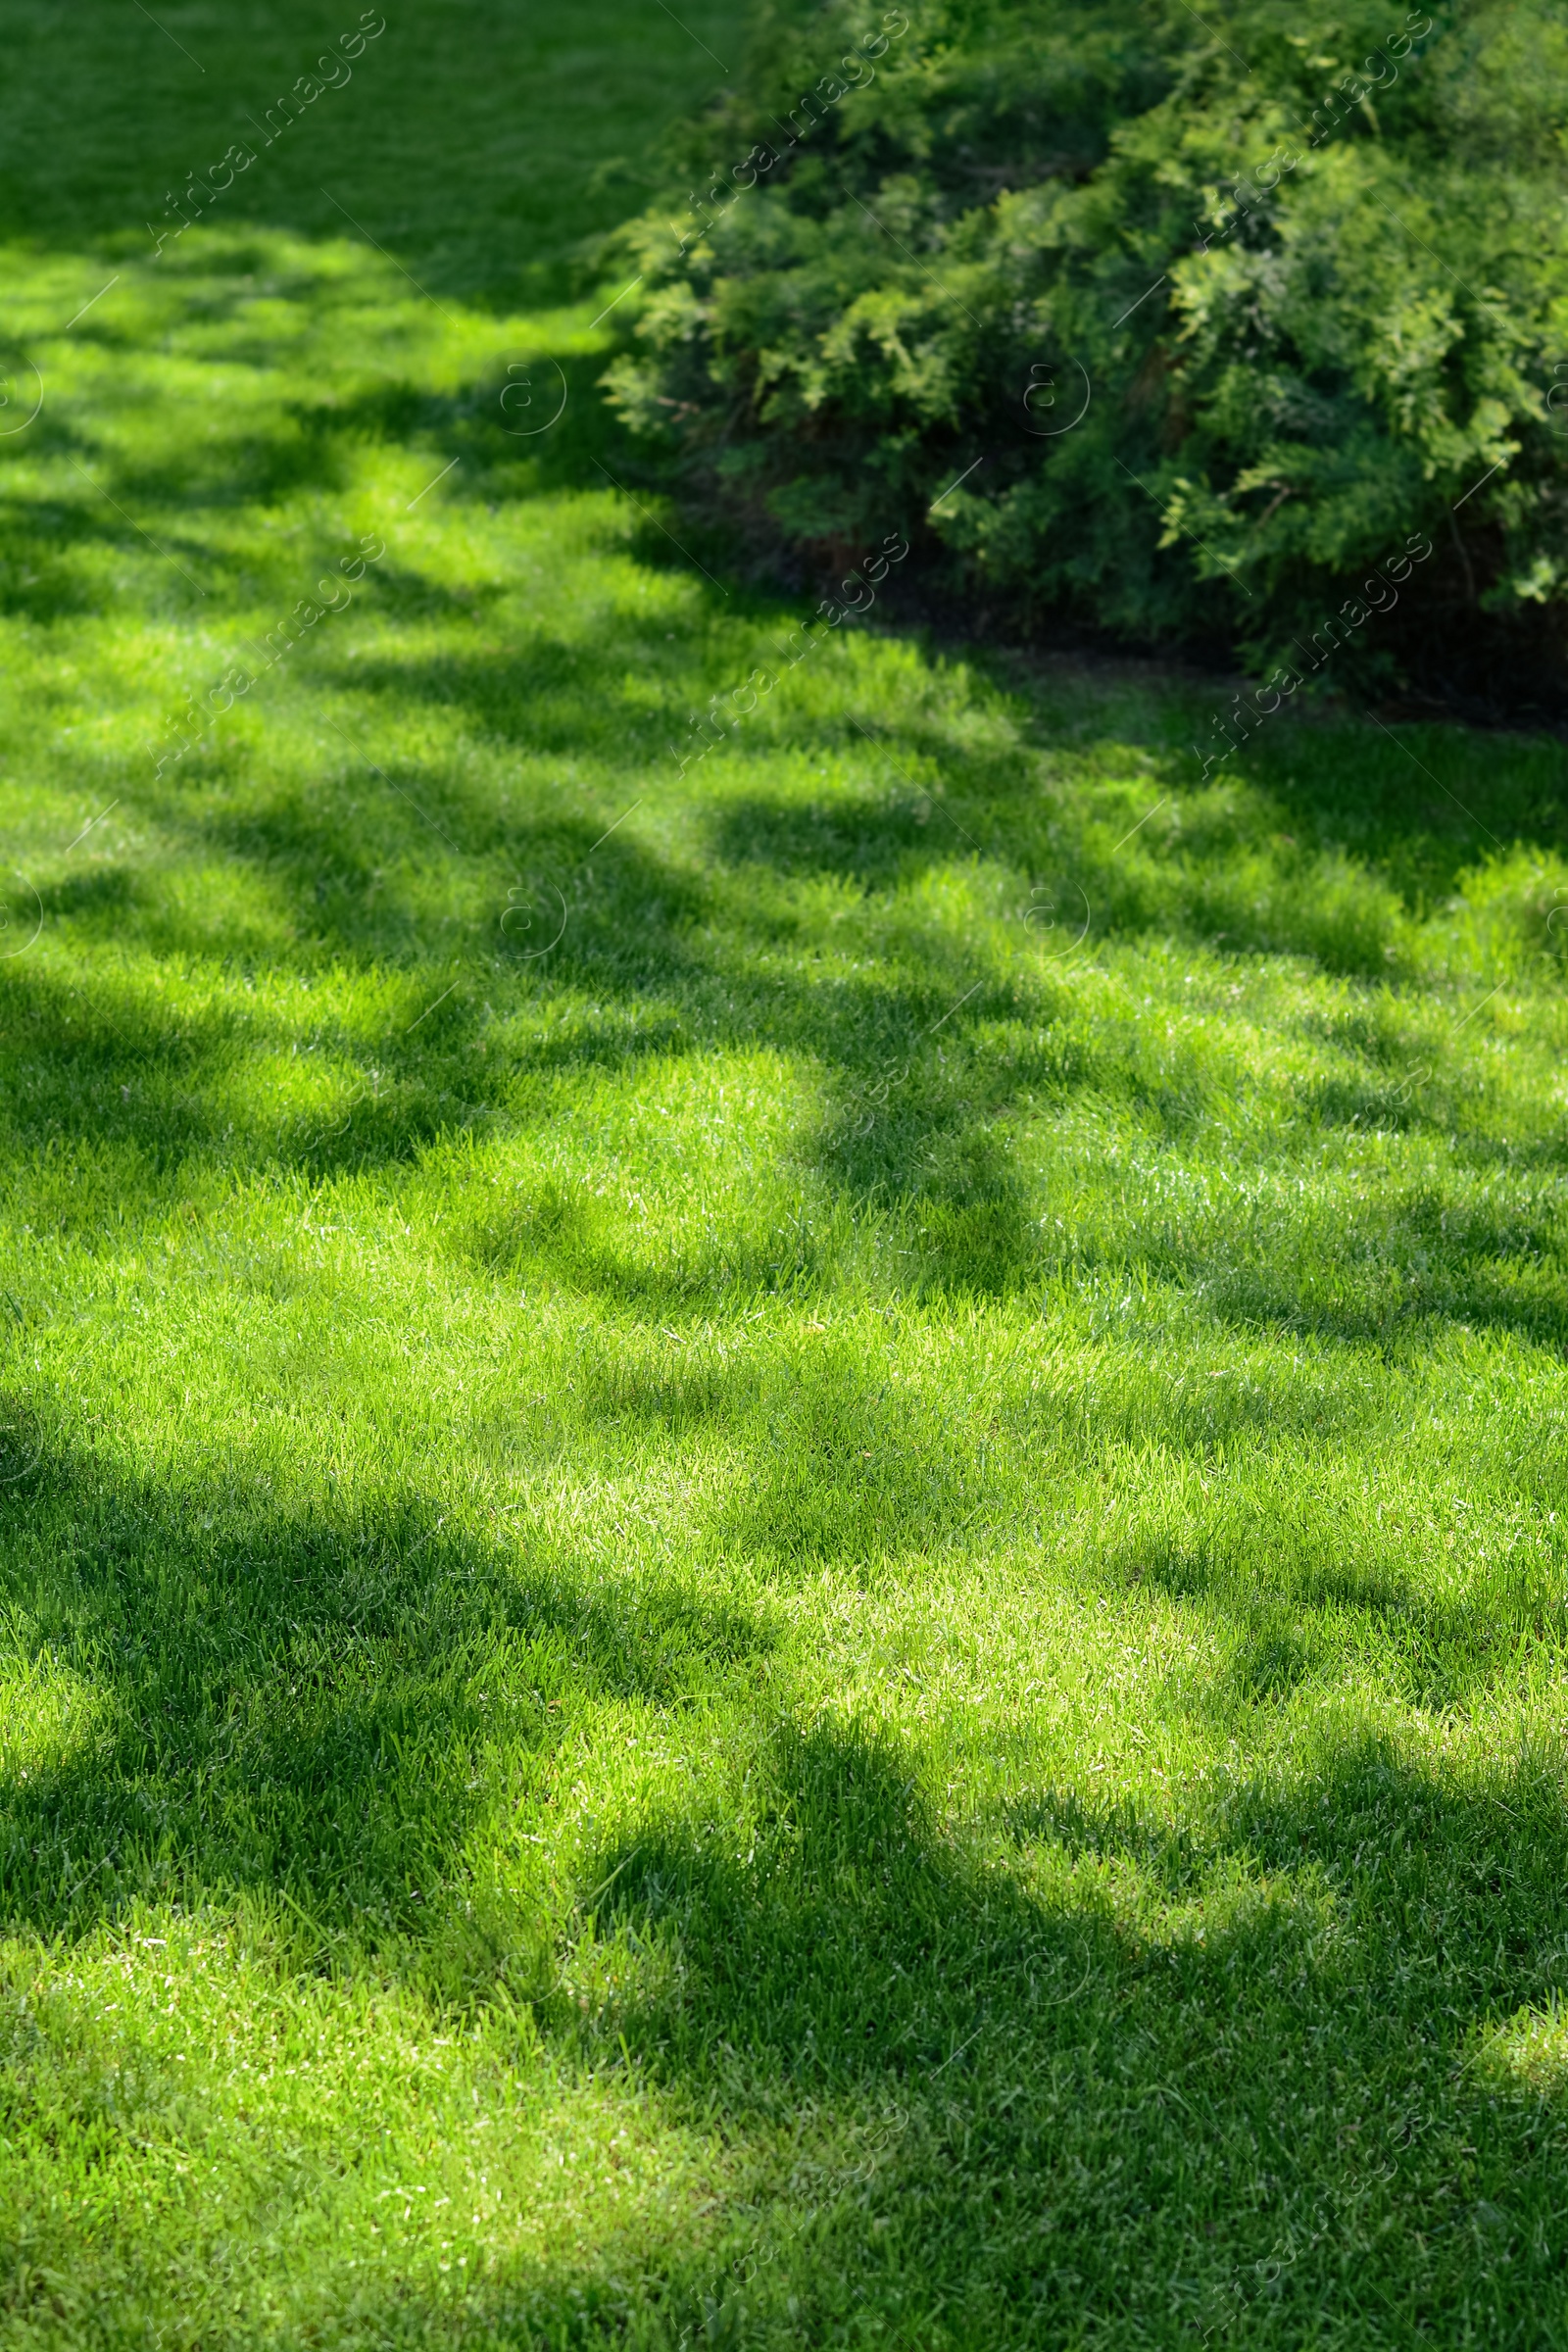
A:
(783, 1551)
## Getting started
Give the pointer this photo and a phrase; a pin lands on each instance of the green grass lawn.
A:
(783, 1550)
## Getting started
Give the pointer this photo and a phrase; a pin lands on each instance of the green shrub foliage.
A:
(1246, 329)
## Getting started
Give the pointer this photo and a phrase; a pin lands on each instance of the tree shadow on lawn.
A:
(926, 1050)
(303, 1700)
(1397, 1272)
(1422, 801)
(1134, 2075)
(1341, 785)
(318, 444)
(122, 1063)
(1256, 2075)
(1381, 799)
(926, 1069)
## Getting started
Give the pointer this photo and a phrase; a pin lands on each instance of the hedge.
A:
(1211, 320)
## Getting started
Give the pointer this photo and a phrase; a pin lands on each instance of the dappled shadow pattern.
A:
(302, 1701)
(929, 1062)
(1068, 2066)
(1271, 2090)
(1255, 2077)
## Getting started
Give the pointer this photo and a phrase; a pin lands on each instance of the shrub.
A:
(1224, 315)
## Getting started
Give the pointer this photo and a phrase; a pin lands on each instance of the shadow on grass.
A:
(925, 1068)
(1269, 2087)
(304, 1701)
(1029, 2109)
(930, 1052)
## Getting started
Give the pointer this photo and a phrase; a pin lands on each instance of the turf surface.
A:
(782, 1549)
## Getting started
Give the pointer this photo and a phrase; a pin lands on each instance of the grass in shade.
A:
(783, 1550)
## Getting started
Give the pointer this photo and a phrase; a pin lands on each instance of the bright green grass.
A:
(830, 1619)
